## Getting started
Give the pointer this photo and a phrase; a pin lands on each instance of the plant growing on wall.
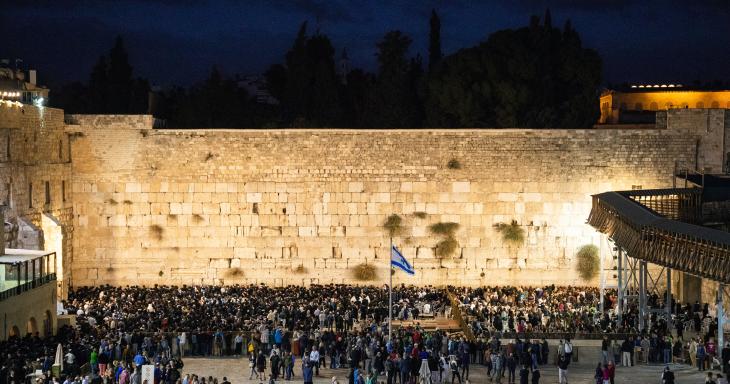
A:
(393, 225)
(197, 218)
(511, 233)
(588, 262)
(157, 231)
(420, 214)
(448, 243)
(364, 272)
(453, 164)
(111, 201)
(300, 269)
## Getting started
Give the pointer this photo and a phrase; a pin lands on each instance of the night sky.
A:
(177, 41)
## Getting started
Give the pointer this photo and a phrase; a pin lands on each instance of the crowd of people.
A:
(294, 331)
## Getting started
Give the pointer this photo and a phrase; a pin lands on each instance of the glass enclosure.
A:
(21, 273)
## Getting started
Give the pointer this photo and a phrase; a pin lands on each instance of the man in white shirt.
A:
(314, 358)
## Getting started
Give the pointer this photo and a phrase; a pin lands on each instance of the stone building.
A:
(639, 103)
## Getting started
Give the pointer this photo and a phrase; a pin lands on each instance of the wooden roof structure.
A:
(658, 226)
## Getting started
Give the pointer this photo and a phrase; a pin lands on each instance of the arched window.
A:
(700, 105)
(48, 325)
(715, 104)
(14, 331)
(684, 105)
(638, 107)
(728, 105)
(668, 105)
(623, 106)
(32, 326)
(653, 106)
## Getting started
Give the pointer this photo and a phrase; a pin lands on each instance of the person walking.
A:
(511, 367)
(524, 375)
(667, 376)
(307, 371)
(701, 355)
(536, 376)
(252, 366)
(562, 370)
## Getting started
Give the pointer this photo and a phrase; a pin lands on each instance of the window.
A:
(7, 194)
(653, 106)
(48, 192)
(63, 190)
(638, 107)
(60, 150)
(30, 195)
(623, 106)
(700, 105)
(715, 104)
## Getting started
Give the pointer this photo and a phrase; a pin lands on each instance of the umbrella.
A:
(59, 357)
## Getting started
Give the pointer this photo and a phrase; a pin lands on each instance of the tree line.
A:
(537, 76)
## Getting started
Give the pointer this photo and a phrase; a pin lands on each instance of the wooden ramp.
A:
(430, 324)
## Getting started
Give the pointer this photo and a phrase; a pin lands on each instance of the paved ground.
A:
(237, 372)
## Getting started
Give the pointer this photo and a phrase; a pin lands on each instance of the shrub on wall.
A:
(511, 233)
(420, 214)
(446, 247)
(454, 164)
(300, 269)
(393, 225)
(448, 244)
(588, 262)
(364, 272)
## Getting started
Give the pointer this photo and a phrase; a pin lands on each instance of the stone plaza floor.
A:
(237, 371)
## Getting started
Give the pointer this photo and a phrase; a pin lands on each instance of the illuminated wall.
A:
(251, 206)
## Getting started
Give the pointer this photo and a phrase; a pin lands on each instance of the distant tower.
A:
(343, 67)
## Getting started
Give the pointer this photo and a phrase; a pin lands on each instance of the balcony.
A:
(22, 270)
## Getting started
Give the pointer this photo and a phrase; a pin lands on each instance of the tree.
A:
(395, 103)
(537, 77)
(98, 90)
(120, 78)
(434, 41)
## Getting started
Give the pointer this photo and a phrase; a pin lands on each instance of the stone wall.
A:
(251, 206)
(35, 171)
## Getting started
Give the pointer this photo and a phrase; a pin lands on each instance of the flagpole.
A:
(390, 295)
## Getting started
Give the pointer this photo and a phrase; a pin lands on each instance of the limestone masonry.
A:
(148, 206)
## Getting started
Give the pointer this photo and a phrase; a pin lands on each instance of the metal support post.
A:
(720, 317)
(668, 300)
(620, 290)
(642, 294)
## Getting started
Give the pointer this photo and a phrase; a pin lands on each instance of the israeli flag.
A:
(398, 261)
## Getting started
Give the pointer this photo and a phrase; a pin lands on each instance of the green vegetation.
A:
(393, 225)
(512, 233)
(588, 262)
(364, 272)
(448, 244)
(453, 164)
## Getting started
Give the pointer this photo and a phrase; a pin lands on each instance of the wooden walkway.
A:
(430, 324)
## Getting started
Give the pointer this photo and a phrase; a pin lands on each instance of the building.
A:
(28, 293)
(16, 86)
(637, 104)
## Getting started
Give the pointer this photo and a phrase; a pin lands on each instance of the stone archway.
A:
(14, 331)
(32, 326)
